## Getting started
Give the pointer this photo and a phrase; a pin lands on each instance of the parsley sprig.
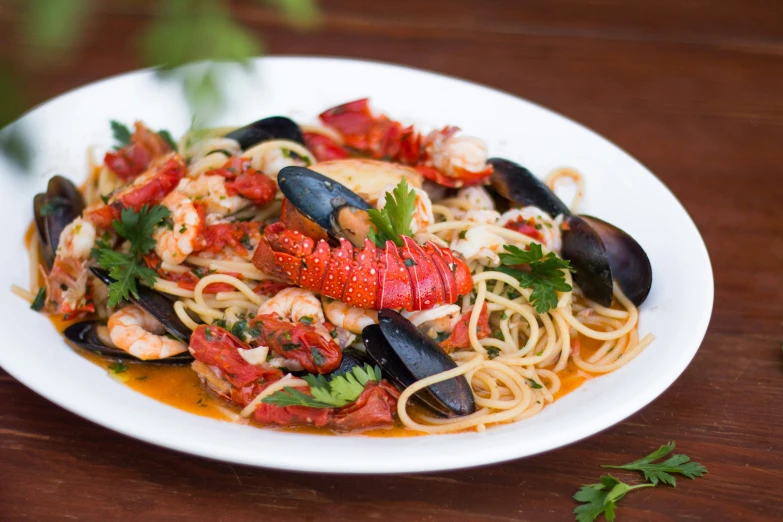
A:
(125, 269)
(662, 471)
(394, 219)
(602, 498)
(545, 276)
(328, 393)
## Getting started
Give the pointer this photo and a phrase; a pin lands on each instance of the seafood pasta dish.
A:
(353, 275)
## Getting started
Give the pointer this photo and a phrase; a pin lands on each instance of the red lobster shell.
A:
(412, 277)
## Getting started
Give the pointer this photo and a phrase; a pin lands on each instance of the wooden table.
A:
(692, 88)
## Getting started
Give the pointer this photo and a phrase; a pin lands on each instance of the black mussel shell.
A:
(515, 183)
(316, 196)
(83, 334)
(600, 252)
(629, 263)
(351, 359)
(54, 210)
(273, 128)
(156, 304)
(405, 355)
(583, 247)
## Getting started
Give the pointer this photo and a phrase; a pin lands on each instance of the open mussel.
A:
(94, 336)
(272, 128)
(328, 204)
(600, 253)
(54, 210)
(405, 355)
(156, 304)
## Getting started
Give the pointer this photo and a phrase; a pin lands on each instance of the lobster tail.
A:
(410, 277)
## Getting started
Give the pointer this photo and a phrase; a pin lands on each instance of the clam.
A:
(405, 355)
(600, 253)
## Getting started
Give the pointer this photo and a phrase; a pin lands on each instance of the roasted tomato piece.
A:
(133, 159)
(459, 338)
(300, 342)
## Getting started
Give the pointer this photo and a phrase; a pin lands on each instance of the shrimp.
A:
(456, 156)
(422, 213)
(211, 190)
(138, 333)
(186, 233)
(438, 320)
(349, 317)
(270, 161)
(468, 199)
(294, 304)
(535, 223)
(479, 244)
(67, 281)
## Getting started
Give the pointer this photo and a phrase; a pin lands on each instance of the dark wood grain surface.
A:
(692, 88)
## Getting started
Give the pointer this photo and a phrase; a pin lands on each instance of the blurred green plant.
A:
(179, 33)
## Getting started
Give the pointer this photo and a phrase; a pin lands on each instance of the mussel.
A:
(89, 334)
(154, 303)
(405, 355)
(330, 205)
(93, 336)
(54, 210)
(272, 128)
(600, 253)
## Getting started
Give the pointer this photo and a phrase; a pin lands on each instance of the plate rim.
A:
(698, 329)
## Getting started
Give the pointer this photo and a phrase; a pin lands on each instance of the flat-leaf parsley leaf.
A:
(661, 471)
(328, 393)
(394, 219)
(125, 269)
(545, 277)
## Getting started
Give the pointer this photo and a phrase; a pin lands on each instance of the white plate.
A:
(619, 190)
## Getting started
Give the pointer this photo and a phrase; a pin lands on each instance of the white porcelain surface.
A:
(619, 190)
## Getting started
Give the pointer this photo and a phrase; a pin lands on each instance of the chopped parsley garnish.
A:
(336, 392)
(394, 220)
(238, 329)
(118, 367)
(463, 234)
(533, 384)
(493, 351)
(53, 205)
(40, 300)
(125, 269)
(306, 319)
(545, 276)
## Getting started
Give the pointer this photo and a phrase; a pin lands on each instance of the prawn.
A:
(185, 234)
(211, 191)
(141, 335)
(294, 304)
(67, 281)
(349, 317)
